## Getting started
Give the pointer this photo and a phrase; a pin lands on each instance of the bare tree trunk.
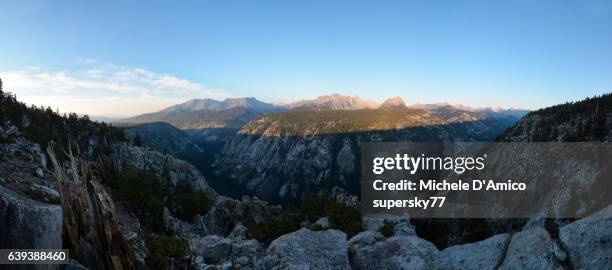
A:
(90, 220)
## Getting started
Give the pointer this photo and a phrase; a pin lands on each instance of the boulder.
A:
(25, 223)
(238, 233)
(403, 228)
(323, 223)
(397, 252)
(485, 254)
(212, 248)
(589, 241)
(532, 249)
(215, 252)
(362, 239)
(39, 173)
(29, 224)
(248, 248)
(306, 249)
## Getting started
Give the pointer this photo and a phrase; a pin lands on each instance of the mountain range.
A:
(207, 113)
(236, 112)
(247, 142)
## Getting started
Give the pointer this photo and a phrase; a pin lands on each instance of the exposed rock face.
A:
(363, 239)
(589, 241)
(283, 155)
(224, 211)
(533, 249)
(30, 216)
(153, 161)
(305, 249)
(208, 137)
(334, 102)
(23, 167)
(25, 223)
(486, 254)
(235, 251)
(213, 250)
(164, 138)
(398, 252)
(393, 103)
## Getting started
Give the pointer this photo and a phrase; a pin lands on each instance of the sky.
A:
(121, 58)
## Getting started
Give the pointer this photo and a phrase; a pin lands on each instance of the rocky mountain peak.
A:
(335, 101)
(216, 105)
(393, 102)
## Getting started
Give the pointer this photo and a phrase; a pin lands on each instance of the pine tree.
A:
(600, 122)
(137, 140)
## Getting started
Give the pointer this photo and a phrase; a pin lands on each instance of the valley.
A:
(313, 146)
(282, 155)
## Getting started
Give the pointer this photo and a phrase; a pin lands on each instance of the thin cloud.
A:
(79, 90)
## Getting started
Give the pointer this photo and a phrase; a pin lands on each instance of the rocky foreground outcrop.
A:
(486, 254)
(222, 209)
(234, 251)
(305, 249)
(30, 216)
(589, 241)
(25, 223)
(532, 249)
(397, 252)
(583, 244)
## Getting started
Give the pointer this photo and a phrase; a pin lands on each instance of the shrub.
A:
(316, 227)
(148, 193)
(145, 193)
(270, 229)
(161, 248)
(387, 229)
(313, 206)
(189, 202)
(341, 217)
(344, 218)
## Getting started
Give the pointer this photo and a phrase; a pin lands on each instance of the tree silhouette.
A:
(42, 126)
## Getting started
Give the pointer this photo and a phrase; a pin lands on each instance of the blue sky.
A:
(117, 58)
